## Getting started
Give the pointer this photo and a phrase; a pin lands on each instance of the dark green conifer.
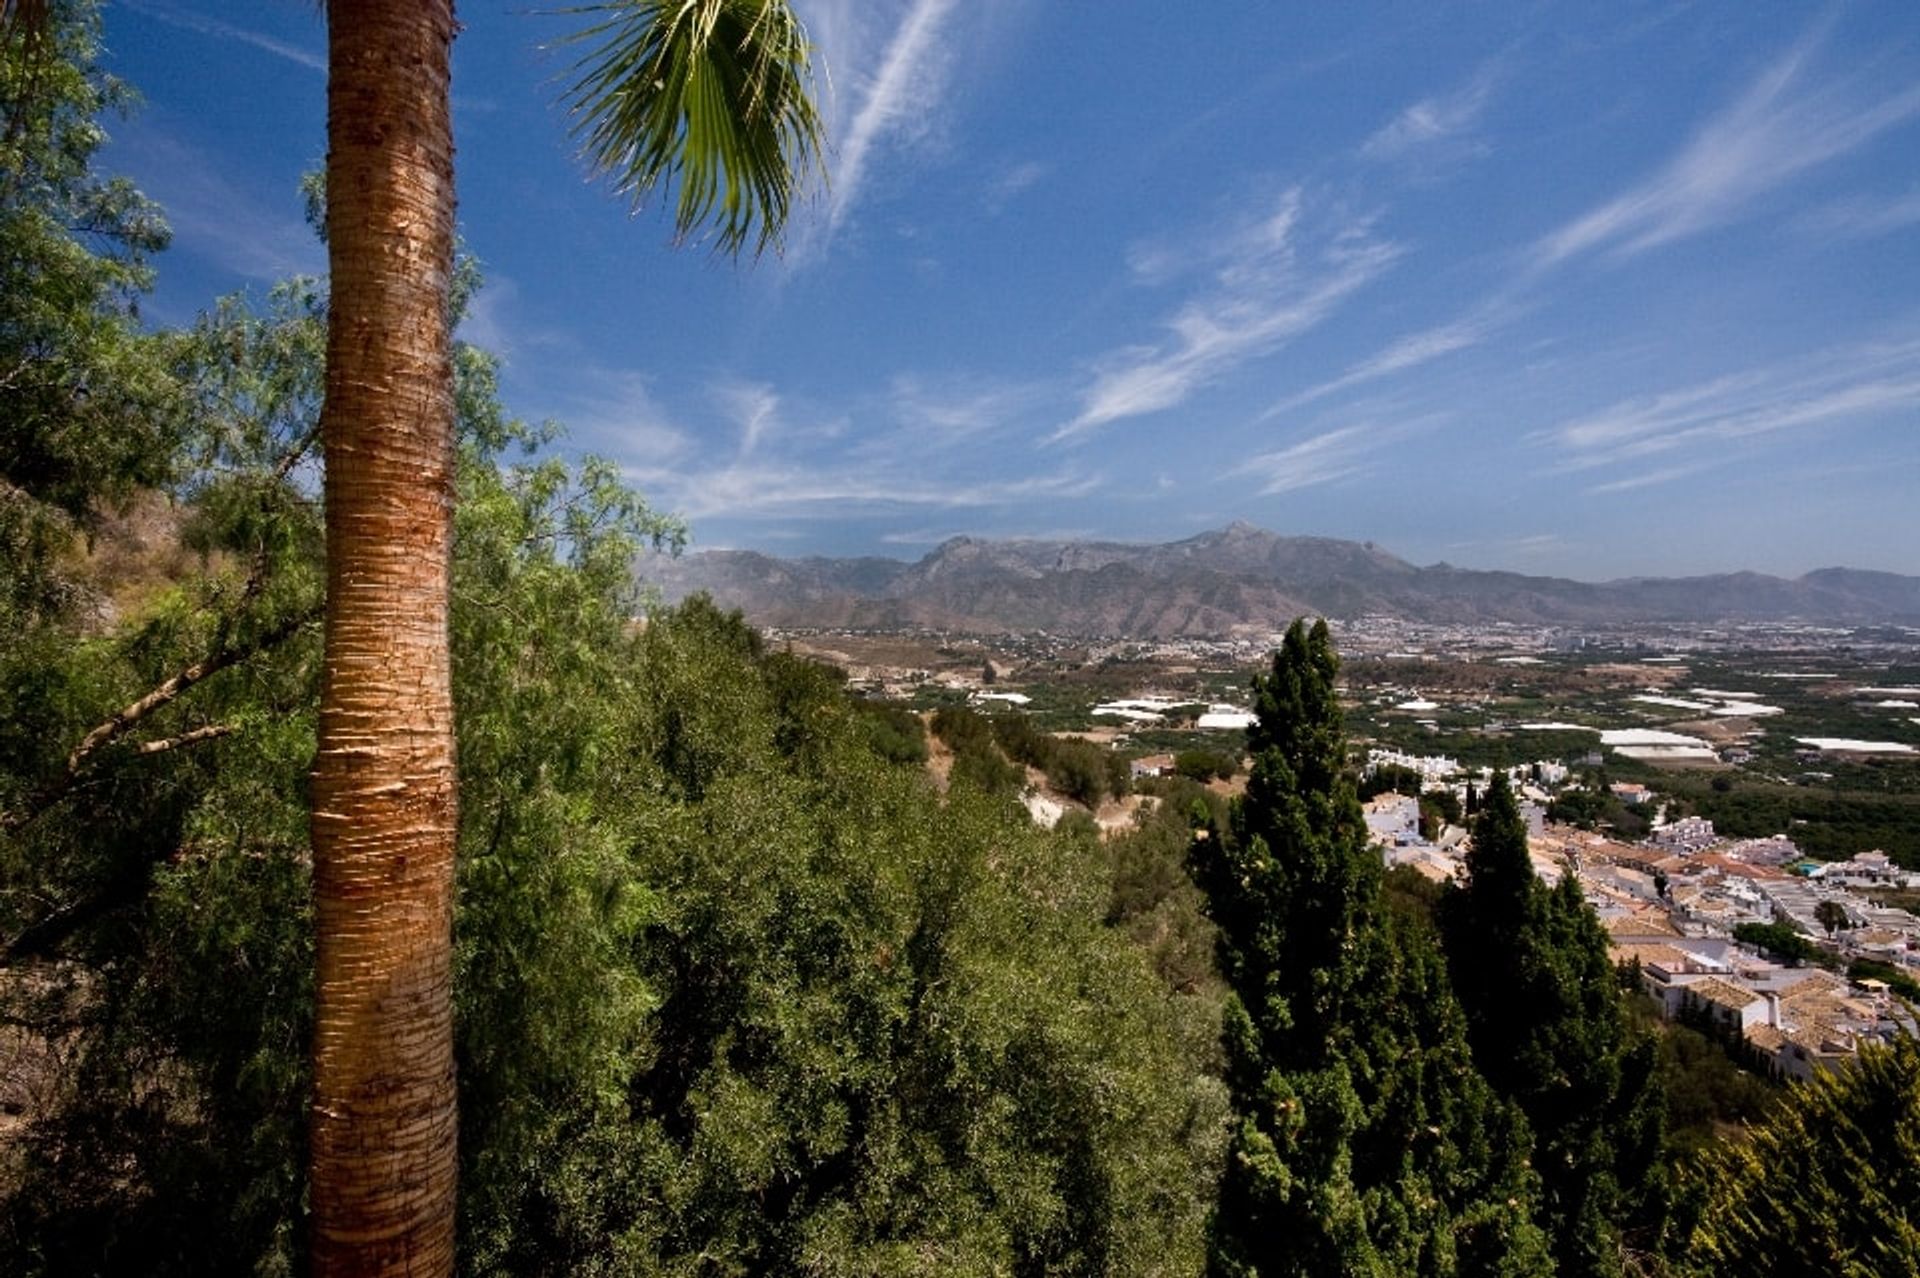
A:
(1363, 1141)
(1543, 1011)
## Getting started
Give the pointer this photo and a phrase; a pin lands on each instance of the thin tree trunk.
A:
(383, 1120)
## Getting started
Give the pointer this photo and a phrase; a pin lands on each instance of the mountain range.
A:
(1236, 580)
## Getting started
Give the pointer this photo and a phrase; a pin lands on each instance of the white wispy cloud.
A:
(1004, 186)
(800, 459)
(1220, 254)
(1410, 351)
(910, 74)
(1536, 544)
(1863, 218)
(1441, 121)
(1526, 545)
(824, 488)
(937, 412)
(888, 75)
(1694, 426)
(487, 322)
(614, 412)
(1343, 452)
(1265, 289)
(754, 407)
(1778, 129)
(1648, 479)
(186, 20)
(1331, 455)
(222, 219)
(934, 536)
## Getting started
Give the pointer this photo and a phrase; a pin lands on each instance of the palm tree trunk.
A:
(382, 1127)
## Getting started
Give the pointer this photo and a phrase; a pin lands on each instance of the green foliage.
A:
(1594, 807)
(977, 762)
(962, 730)
(868, 1033)
(1154, 901)
(1899, 981)
(895, 733)
(1831, 915)
(1707, 1087)
(1205, 765)
(1830, 824)
(1362, 1141)
(1826, 1185)
(85, 399)
(735, 991)
(1783, 941)
(1545, 1022)
(170, 861)
(1438, 810)
(1391, 779)
(1081, 770)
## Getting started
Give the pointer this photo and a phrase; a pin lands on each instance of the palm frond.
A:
(713, 94)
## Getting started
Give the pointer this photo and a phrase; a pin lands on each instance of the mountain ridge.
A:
(1233, 580)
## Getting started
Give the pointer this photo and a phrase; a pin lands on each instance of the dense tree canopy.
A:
(1363, 1141)
(1548, 1032)
(739, 987)
(731, 982)
(83, 394)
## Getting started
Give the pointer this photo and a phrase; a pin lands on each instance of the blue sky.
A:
(1596, 290)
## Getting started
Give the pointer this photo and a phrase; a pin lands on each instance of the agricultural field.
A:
(1814, 733)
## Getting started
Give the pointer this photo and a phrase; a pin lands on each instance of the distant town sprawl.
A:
(1740, 803)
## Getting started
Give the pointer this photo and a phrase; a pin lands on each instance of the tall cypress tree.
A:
(1363, 1141)
(1531, 968)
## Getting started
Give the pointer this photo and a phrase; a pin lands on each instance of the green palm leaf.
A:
(711, 93)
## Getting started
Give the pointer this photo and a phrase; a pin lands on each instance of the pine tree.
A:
(1362, 1142)
(1544, 1018)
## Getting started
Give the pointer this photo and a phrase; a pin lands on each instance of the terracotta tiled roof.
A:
(1721, 993)
(1815, 984)
(1743, 869)
(1650, 952)
(1641, 923)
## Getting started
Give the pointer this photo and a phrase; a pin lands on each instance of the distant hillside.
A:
(1236, 579)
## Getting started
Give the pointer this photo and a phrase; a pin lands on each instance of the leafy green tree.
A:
(1825, 1185)
(1705, 1087)
(1154, 901)
(977, 759)
(154, 847)
(1782, 940)
(1361, 1144)
(1205, 765)
(898, 734)
(1864, 969)
(730, 984)
(1547, 1028)
(871, 1033)
(1831, 915)
(84, 396)
(1391, 778)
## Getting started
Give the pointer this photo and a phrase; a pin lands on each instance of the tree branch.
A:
(113, 728)
(299, 450)
(194, 737)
